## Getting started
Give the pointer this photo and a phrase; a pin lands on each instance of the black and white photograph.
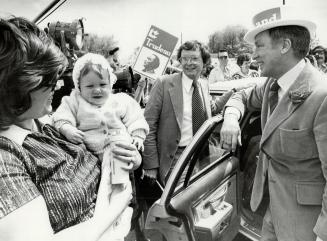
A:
(163, 120)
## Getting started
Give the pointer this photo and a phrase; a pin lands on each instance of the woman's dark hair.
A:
(242, 58)
(194, 45)
(29, 60)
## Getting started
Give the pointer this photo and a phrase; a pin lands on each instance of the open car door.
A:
(201, 200)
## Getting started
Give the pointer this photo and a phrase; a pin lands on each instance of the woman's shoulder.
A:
(14, 157)
(9, 148)
(15, 134)
(13, 140)
(16, 187)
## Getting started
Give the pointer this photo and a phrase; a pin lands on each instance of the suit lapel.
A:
(176, 96)
(280, 114)
(286, 106)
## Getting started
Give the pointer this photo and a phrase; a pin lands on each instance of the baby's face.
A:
(94, 89)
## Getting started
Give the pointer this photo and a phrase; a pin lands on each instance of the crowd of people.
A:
(70, 176)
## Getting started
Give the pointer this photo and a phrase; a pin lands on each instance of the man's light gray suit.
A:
(293, 154)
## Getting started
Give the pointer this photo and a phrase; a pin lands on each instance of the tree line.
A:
(99, 44)
(230, 38)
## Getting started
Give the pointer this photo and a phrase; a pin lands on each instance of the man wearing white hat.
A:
(293, 147)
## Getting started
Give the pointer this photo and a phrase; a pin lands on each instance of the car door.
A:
(206, 205)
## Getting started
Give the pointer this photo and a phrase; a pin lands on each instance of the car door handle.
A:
(177, 223)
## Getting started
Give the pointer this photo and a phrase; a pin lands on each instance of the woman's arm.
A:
(31, 222)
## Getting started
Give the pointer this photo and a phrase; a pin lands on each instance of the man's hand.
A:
(72, 133)
(230, 133)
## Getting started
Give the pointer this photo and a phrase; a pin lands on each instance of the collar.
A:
(290, 76)
(15, 134)
(187, 83)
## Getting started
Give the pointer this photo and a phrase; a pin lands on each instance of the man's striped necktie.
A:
(273, 96)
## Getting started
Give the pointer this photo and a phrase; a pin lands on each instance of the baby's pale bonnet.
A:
(95, 59)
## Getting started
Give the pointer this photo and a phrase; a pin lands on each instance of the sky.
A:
(129, 20)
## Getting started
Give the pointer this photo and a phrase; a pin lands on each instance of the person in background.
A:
(173, 67)
(144, 87)
(206, 70)
(293, 104)
(50, 187)
(98, 118)
(222, 72)
(312, 59)
(320, 53)
(244, 61)
(113, 59)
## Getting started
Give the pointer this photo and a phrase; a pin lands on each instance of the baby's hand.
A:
(138, 142)
(72, 133)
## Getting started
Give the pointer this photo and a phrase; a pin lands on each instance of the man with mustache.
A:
(320, 54)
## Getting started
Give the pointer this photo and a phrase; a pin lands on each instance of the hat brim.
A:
(250, 35)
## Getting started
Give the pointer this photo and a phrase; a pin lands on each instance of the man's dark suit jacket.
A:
(164, 114)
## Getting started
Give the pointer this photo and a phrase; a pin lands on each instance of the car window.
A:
(211, 151)
(207, 152)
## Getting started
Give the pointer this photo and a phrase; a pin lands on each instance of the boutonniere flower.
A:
(298, 96)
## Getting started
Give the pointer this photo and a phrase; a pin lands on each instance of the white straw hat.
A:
(276, 17)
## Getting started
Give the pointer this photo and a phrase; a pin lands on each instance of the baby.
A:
(93, 115)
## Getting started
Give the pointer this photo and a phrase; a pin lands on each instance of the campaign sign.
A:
(155, 52)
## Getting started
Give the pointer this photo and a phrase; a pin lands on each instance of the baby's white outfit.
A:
(117, 120)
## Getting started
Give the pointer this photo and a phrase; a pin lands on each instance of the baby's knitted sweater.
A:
(120, 117)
